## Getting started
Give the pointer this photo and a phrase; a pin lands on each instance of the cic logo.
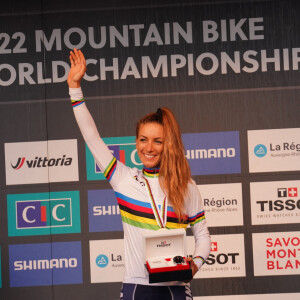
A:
(43, 213)
(123, 149)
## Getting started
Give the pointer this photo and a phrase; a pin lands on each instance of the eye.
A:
(142, 139)
(159, 142)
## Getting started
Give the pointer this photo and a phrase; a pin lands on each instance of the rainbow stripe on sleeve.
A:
(77, 102)
(197, 218)
(110, 170)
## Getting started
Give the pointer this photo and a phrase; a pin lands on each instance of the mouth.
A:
(149, 156)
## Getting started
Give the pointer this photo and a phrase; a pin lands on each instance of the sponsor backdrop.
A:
(229, 70)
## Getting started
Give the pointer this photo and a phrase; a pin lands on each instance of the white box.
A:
(160, 247)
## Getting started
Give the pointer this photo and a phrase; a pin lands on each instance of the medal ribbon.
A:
(160, 219)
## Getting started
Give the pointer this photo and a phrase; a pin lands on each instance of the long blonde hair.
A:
(174, 173)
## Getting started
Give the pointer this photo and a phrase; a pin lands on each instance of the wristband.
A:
(76, 93)
(202, 261)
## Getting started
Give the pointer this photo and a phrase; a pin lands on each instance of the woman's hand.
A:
(78, 68)
(193, 265)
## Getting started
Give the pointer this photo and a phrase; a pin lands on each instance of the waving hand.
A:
(78, 68)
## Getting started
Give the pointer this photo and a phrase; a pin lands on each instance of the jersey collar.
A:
(151, 172)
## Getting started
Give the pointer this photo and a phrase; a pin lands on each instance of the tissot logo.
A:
(214, 246)
(287, 192)
(275, 202)
(43, 213)
(41, 162)
(226, 259)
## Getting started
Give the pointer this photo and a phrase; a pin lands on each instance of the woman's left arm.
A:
(199, 228)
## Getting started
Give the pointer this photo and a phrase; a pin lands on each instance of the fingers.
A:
(82, 58)
(77, 57)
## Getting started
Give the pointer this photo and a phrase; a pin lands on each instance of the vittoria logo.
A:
(42, 162)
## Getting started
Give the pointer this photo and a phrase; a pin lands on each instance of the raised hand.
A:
(78, 68)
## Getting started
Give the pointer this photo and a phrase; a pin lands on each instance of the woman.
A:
(162, 195)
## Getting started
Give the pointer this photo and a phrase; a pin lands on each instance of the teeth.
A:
(149, 156)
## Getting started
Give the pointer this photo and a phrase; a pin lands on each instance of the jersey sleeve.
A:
(112, 169)
(197, 221)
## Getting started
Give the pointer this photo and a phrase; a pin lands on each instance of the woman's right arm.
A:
(98, 148)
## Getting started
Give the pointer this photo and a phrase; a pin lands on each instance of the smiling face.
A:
(150, 144)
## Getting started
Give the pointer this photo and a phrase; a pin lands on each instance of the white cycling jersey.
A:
(143, 204)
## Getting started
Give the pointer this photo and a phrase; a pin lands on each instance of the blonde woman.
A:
(162, 195)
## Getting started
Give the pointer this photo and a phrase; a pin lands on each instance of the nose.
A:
(149, 147)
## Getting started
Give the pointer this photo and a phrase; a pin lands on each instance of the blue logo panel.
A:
(104, 214)
(124, 150)
(43, 213)
(213, 152)
(45, 264)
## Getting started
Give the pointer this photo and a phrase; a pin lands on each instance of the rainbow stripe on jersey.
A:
(140, 214)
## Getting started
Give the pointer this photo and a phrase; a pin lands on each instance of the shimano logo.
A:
(210, 153)
(45, 264)
(42, 162)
